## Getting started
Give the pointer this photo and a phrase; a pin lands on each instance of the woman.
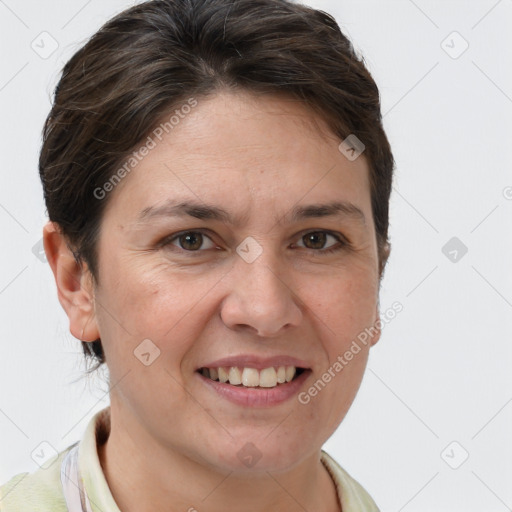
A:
(217, 180)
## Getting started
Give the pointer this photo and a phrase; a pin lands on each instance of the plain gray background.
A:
(430, 427)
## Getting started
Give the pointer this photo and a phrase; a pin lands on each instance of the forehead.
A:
(261, 152)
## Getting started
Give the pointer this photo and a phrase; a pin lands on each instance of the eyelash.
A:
(343, 242)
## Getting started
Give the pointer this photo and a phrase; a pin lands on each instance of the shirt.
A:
(42, 490)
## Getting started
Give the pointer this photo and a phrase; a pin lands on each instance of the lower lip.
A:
(257, 397)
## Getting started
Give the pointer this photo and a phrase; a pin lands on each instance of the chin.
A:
(253, 457)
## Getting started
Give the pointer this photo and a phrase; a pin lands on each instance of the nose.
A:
(261, 298)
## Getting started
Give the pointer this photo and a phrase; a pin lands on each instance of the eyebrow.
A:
(204, 211)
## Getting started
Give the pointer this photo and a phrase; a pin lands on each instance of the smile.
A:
(251, 377)
(249, 387)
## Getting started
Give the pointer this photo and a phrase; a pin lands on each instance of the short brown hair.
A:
(150, 58)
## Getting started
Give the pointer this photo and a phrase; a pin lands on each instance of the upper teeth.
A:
(250, 377)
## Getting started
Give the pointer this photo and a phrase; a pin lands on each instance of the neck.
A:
(143, 477)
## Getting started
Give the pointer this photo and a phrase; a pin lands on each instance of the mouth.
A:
(247, 377)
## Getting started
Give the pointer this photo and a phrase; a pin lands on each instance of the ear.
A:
(378, 327)
(74, 284)
(383, 257)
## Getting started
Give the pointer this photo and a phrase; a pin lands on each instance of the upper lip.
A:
(252, 361)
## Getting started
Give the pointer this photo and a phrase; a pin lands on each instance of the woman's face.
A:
(277, 284)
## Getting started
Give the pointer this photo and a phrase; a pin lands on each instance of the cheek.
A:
(153, 299)
(155, 303)
(346, 303)
(345, 307)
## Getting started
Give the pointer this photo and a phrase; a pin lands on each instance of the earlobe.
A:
(74, 284)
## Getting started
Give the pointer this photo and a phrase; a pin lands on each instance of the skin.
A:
(257, 157)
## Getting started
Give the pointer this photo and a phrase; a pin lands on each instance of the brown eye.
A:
(315, 240)
(191, 241)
